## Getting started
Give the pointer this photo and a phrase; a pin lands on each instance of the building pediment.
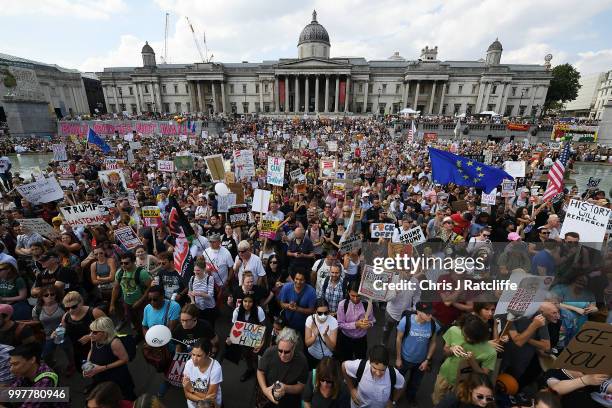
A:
(315, 64)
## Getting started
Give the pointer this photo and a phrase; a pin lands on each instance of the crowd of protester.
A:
(82, 293)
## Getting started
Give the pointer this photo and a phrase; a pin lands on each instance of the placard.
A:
(261, 200)
(41, 191)
(59, 152)
(39, 226)
(113, 183)
(526, 299)
(593, 182)
(589, 350)
(367, 285)
(351, 243)
(82, 215)
(507, 188)
(414, 236)
(165, 166)
(590, 221)
(68, 184)
(381, 230)
(174, 375)
(276, 171)
(327, 168)
(183, 163)
(224, 202)
(244, 164)
(296, 174)
(111, 163)
(135, 145)
(515, 168)
(151, 216)
(238, 215)
(332, 146)
(215, 167)
(127, 237)
(247, 334)
(488, 199)
(268, 228)
(237, 189)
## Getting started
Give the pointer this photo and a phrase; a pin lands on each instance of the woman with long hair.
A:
(325, 387)
(102, 272)
(49, 312)
(107, 395)
(109, 357)
(144, 259)
(321, 333)
(13, 291)
(202, 376)
(476, 391)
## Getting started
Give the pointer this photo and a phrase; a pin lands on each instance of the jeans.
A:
(414, 380)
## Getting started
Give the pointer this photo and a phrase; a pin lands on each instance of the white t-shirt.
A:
(323, 272)
(254, 265)
(200, 381)
(261, 315)
(373, 393)
(319, 349)
(198, 246)
(403, 300)
(222, 259)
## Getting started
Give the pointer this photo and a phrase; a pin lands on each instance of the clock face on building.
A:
(548, 57)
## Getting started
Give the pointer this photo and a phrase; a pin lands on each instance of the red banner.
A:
(518, 127)
(342, 94)
(430, 137)
(281, 93)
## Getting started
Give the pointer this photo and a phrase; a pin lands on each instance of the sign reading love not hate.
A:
(247, 334)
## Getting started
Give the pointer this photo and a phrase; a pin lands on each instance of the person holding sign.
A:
(354, 323)
(202, 376)
(321, 334)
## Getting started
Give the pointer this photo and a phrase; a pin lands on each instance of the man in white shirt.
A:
(247, 261)
(220, 258)
(320, 269)
(397, 232)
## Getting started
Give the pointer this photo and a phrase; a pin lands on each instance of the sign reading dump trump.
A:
(413, 236)
(590, 221)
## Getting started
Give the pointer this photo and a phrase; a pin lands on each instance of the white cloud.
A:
(591, 62)
(85, 9)
(238, 30)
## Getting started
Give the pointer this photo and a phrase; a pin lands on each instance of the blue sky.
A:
(90, 35)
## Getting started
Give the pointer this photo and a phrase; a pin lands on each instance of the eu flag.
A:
(94, 138)
(450, 168)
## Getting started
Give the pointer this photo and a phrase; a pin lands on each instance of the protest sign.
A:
(507, 188)
(276, 171)
(215, 167)
(238, 189)
(151, 216)
(165, 165)
(135, 145)
(65, 170)
(589, 350)
(488, 156)
(367, 285)
(238, 215)
(127, 237)
(111, 163)
(488, 199)
(59, 152)
(183, 163)
(301, 188)
(39, 226)
(82, 215)
(244, 165)
(224, 202)
(526, 299)
(261, 200)
(332, 146)
(351, 243)
(296, 174)
(268, 228)
(113, 183)
(381, 230)
(41, 191)
(593, 182)
(590, 221)
(313, 144)
(328, 168)
(515, 168)
(414, 236)
(338, 189)
(174, 374)
(247, 334)
(68, 184)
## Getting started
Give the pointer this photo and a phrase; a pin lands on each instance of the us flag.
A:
(555, 175)
(411, 132)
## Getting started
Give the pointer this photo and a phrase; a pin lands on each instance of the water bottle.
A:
(275, 388)
(86, 366)
(59, 335)
(173, 297)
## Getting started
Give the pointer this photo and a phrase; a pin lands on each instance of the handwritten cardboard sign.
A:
(381, 230)
(247, 334)
(589, 350)
(83, 214)
(590, 221)
(276, 171)
(414, 236)
(366, 286)
(127, 237)
(238, 215)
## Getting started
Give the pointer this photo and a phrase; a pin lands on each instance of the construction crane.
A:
(195, 40)
(165, 56)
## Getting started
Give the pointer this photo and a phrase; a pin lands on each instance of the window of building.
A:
(508, 111)
(131, 90)
(444, 107)
(245, 107)
(149, 107)
(266, 89)
(112, 108)
(188, 104)
(469, 109)
(370, 89)
(231, 88)
(491, 107)
(177, 107)
(522, 110)
(534, 110)
(163, 89)
(186, 88)
(257, 89)
(133, 107)
(360, 88)
(175, 88)
(494, 90)
(122, 107)
(474, 88)
(397, 88)
(166, 107)
(460, 89)
(514, 91)
(146, 88)
(257, 107)
(119, 90)
(243, 88)
(384, 88)
(266, 106)
(381, 108)
(369, 108)
(456, 108)
(233, 107)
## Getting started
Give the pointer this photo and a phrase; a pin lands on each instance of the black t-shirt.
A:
(229, 243)
(62, 274)
(291, 373)
(171, 282)
(317, 400)
(259, 294)
(202, 329)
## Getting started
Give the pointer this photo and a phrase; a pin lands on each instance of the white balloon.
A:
(222, 189)
(158, 336)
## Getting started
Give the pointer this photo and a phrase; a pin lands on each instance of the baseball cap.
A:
(214, 237)
(423, 307)
(6, 310)
(513, 236)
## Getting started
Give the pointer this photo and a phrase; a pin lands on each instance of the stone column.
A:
(405, 96)
(261, 104)
(276, 97)
(214, 97)
(286, 93)
(442, 98)
(416, 95)
(534, 90)
(223, 103)
(481, 87)
(317, 93)
(307, 93)
(485, 99)
(346, 95)
(193, 92)
(366, 85)
(296, 95)
(433, 95)
(505, 99)
(138, 110)
(499, 100)
(202, 98)
(117, 108)
(326, 94)
(159, 96)
(336, 96)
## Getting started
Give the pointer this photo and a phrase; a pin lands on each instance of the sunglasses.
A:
(447, 222)
(284, 351)
(487, 398)
(544, 232)
(49, 295)
(73, 307)
(322, 313)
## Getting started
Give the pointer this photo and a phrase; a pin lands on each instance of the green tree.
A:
(564, 86)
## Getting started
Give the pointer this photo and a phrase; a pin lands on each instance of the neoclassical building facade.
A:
(315, 83)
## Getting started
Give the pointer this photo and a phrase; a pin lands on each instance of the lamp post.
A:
(521, 101)
(121, 95)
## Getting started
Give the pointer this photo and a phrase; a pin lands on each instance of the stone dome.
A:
(147, 49)
(495, 46)
(314, 32)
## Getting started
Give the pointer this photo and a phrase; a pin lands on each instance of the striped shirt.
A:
(206, 284)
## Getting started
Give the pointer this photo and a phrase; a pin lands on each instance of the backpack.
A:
(47, 374)
(346, 303)
(361, 369)
(408, 315)
(136, 276)
(129, 343)
(326, 284)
